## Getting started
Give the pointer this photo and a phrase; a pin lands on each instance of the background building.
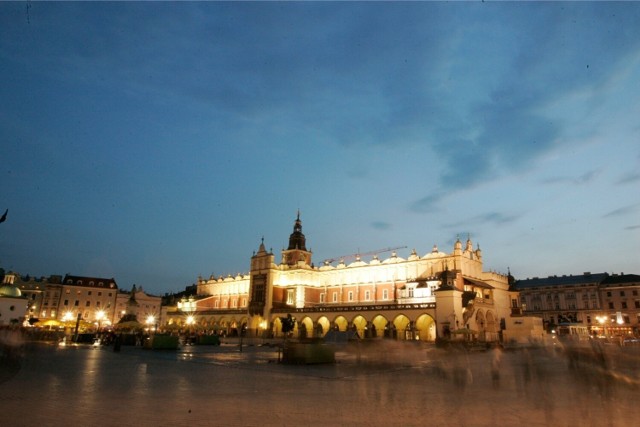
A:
(609, 304)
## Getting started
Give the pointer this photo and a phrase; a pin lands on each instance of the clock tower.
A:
(296, 253)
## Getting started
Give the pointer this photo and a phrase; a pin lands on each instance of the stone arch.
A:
(378, 326)
(306, 328)
(491, 326)
(322, 326)
(359, 323)
(402, 328)
(425, 326)
(276, 327)
(481, 325)
(340, 323)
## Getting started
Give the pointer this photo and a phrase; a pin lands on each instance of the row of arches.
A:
(400, 327)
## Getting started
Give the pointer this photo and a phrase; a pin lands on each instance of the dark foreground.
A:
(399, 384)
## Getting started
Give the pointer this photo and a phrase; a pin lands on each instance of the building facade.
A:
(422, 297)
(609, 304)
(145, 307)
(90, 299)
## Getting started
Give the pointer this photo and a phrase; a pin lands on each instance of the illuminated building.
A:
(609, 304)
(422, 297)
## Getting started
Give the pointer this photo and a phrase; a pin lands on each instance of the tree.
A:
(288, 323)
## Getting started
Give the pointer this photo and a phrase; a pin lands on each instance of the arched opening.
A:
(340, 324)
(402, 328)
(491, 327)
(425, 328)
(305, 328)
(481, 325)
(379, 326)
(359, 323)
(322, 326)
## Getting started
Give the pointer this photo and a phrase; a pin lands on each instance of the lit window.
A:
(350, 296)
(290, 296)
(385, 294)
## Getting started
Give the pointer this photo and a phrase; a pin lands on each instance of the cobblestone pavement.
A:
(385, 384)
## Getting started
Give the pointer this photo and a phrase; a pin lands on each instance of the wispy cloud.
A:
(625, 210)
(380, 225)
(629, 178)
(585, 178)
(633, 227)
(496, 218)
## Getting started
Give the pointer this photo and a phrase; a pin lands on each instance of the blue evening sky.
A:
(155, 142)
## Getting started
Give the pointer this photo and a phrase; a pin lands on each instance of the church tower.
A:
(296, 253)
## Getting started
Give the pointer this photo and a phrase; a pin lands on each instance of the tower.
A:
(296, 252)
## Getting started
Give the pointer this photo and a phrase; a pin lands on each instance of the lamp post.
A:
(150, 321)
(188, 306)
(602, 321)
(99, 318)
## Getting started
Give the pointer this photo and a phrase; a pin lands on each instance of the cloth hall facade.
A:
(422, 297)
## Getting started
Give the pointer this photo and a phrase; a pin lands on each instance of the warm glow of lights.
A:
(67, 317)
(99, 315)
(191, 320)
(263, 324)
(150, 319)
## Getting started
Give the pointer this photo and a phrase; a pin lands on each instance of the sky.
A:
(157, 142)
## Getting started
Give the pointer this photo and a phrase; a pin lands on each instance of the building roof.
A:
(96, 282)
(570, 280)
(621, 279)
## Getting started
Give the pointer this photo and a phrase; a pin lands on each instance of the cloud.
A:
(632, 227)
(380, 225)
(625, 210)
(428, 203)
(495, 218)
(585, 178)
(629, 178)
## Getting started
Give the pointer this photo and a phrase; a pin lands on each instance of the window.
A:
(611, 305)
(216, 303)
(98, 304)
(91, 283)
(244, 302)
(608, 293)
(335, 297)
(76, 303)
(88, 304)
(68, 291)
(322, 297)
(66, 302)
(290, 296)
(385, 294)
(367, 295)
(624, 304)
(234, 303)
(621, 293)
(637, 303)
(350, 297)
(99, 294)
(88, 292)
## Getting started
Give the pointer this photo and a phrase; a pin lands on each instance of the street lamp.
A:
(150, 321)
(602, 321)
(99, 317)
